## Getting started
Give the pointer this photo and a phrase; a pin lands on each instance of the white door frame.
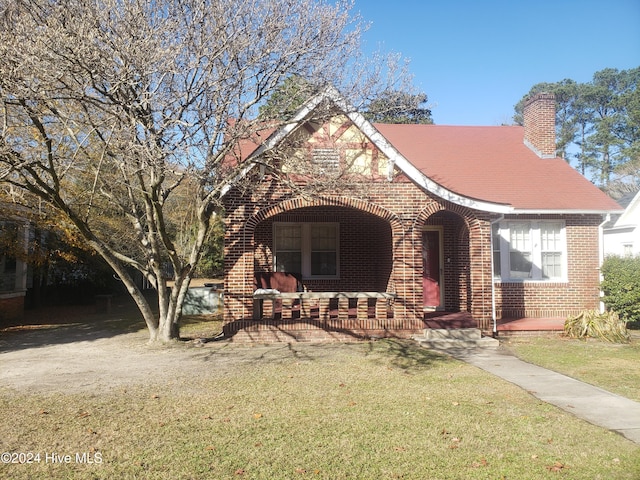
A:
(440, 230)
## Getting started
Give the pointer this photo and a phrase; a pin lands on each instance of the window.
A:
(529, 251)
(8, 263)
(288, 248)
(520, 251)
(551, 247)
(8, 239)
(627, 249)
(324, 250)
(310, 249)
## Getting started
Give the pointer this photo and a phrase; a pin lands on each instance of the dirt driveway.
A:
(87, 353)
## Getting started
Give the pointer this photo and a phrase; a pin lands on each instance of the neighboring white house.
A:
(622, 233)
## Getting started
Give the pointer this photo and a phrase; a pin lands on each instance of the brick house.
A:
(482, 220)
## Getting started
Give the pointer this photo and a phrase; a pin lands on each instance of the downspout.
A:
(607, 218)
(493, 283)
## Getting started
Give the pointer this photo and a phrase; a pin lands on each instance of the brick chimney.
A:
(540, 124)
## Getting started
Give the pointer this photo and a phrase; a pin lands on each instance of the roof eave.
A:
(429, 185)
(563, 211)
(620, 228)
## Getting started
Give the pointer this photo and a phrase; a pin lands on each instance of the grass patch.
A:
(613, 367)
(201, 326)
(386, 409)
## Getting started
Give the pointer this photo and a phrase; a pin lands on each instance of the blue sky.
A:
(476, 59)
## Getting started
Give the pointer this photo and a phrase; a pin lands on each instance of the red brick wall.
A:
(381, 234)
(559, 299)
(364, 222)
(539, 117)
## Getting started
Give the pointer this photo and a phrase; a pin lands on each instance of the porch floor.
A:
(453, 320)
(550, 324)
(449, 320)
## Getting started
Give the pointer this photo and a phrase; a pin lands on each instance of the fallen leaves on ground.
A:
(556, 467)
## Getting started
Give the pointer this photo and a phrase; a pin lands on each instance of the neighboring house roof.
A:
(494, 164)
(629, 218)
(485, 168)
(626, 200)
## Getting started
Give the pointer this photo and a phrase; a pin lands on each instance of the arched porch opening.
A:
(330, 248)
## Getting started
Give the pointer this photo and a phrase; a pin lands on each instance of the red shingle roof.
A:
(493, 164)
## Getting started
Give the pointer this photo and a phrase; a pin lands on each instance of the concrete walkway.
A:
(593, 404)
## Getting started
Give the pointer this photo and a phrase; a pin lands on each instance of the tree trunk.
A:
(168, 330)
(170, 303)
(149, 317)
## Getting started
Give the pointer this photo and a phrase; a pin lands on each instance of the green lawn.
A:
(614, 367)
(381, 410)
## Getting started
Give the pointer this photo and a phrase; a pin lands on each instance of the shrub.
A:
(591, 323)
(621, 287)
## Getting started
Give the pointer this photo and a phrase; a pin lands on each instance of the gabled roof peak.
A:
(396, 158)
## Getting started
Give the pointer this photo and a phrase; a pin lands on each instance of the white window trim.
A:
(306, 249)
(536, 252)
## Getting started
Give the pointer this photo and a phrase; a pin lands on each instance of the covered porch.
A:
(349, 269)
(327, 272)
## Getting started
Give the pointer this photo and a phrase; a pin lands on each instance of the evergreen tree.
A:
(399, 107)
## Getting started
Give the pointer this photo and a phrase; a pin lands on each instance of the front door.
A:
(431, 268)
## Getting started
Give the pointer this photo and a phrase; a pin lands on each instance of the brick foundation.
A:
(268, 331)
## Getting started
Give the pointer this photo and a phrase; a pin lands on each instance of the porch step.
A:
(458, 339)
(452, 333)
